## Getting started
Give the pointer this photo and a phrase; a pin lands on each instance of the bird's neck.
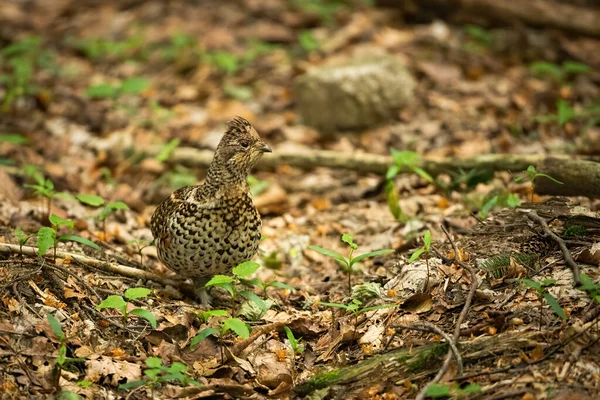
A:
(221, 180)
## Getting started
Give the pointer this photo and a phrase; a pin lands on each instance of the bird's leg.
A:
(200, 291)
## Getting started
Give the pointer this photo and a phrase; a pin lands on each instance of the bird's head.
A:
(239, 149)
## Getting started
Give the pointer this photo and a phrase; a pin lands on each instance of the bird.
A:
(208, 229)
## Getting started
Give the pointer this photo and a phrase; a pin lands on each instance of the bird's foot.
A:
(201, 292)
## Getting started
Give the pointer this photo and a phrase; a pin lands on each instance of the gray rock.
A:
(359, 94)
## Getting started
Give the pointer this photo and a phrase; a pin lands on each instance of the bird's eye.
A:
(244, 144)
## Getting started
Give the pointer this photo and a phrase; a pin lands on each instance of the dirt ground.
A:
(111, 98)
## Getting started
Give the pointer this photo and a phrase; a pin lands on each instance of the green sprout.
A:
(530, 174)
(119, 303)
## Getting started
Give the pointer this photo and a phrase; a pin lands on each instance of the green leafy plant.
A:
(22, 237)
(130, 86)
(530, 175)
(235, 325)
(46, 236)
(423, 250)
(18, 64)
(108, 210)
(591, 288)
(62, 360)
(308, 42)
(257, 186)
(559, 73)
(232, 283)
(98, 48)
(42, 187)
(478, 38)
(140, 244)
(451, 390)
(90, 199)
(502, 199)
(168, 149)
(540, 288)
(157, 374)
(355, 307)
(294, 343)
(121, 304)
(349, 264)
(566, 113)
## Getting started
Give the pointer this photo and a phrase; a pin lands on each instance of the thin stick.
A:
(92, 262)
(532, 215)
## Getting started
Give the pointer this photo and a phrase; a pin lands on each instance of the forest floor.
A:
(91, 89)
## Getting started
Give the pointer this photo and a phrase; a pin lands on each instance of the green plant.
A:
(178, 176)
(62, 360)
(235, 325)
(423, 250)
(355, 308)
(566, 113)
(393, 202)
(559, 73)
(130, 86)
(478, 38)
(168, 149)
(140, 245)
(257, 186)
(349, 263)
(42, 187)
(90, 199)
(502, 199)
(22, 237)
(530, 174)
(326, 10)
(308, 42)
(591, 288)
(110, 209)
(451, 390)
(231, 283)
(181, 45)
(117, 302)
(46, 236)
(157, 374)
(21, 60)
(294, 343)
(540, 288)
(96, 48)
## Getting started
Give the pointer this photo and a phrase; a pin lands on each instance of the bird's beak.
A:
(265, 148)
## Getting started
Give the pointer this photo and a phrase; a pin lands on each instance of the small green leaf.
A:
(573, 67)
(330, 253)
(549, 177)
(137, 293)
(116, 205)
(512, 200)
(68, 395)
(308, 41)
(13, 138)
(135, 85)
(565, 112)
(281, 286)
(370, 255)
(392, 172)
(349, 240)
(416, 255)
(167, 150)
(22, 236)
(154, 362)
(212, 313)
(424, 174)
(337, 305)
(177, 367)
(237, 326)
(253, 297)
(558, 310)
(45, 239)
(147, 315)
(85, 384)
(218, 280)
(101, 91)
(131, 385)
(55, 325)
(113, 301)
(90, 199)
(488, 206)
(436, 390)
(58, 221)
(79, 239)
(532, 284)
(246, 269)
(203, 334)
(427, 240)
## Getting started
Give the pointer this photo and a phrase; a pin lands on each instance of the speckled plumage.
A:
(205, 230)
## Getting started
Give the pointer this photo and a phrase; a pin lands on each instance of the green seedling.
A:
(100, 48)
(13, 139)
(46, 236)
(140, 245)
(478, 38)
(177, 177)
(502, 199)
(90, 199)
(591, 288)
(349, 264)
(157, 374)
(540, 288)
(232, 284)
(121, 304)
(168, 149)
(130, 86)
(235, 325)
(423, 250)
(530, 174)
(110, 209)
(257, 186)
(62, 360)
(308, 42)
(324, 9)
(22, 237)
(393, 202)
(559, 73)
(42, 187)
(355, 308)
(566, 113)
(21, 60)
(263, 286)
(294, 343)
(453, 390)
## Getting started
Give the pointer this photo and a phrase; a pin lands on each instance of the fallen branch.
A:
(532, 215)
(580, 177)
(94, 263)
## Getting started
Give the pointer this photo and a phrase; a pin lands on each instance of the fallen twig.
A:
(532, 215)
(94, 263)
